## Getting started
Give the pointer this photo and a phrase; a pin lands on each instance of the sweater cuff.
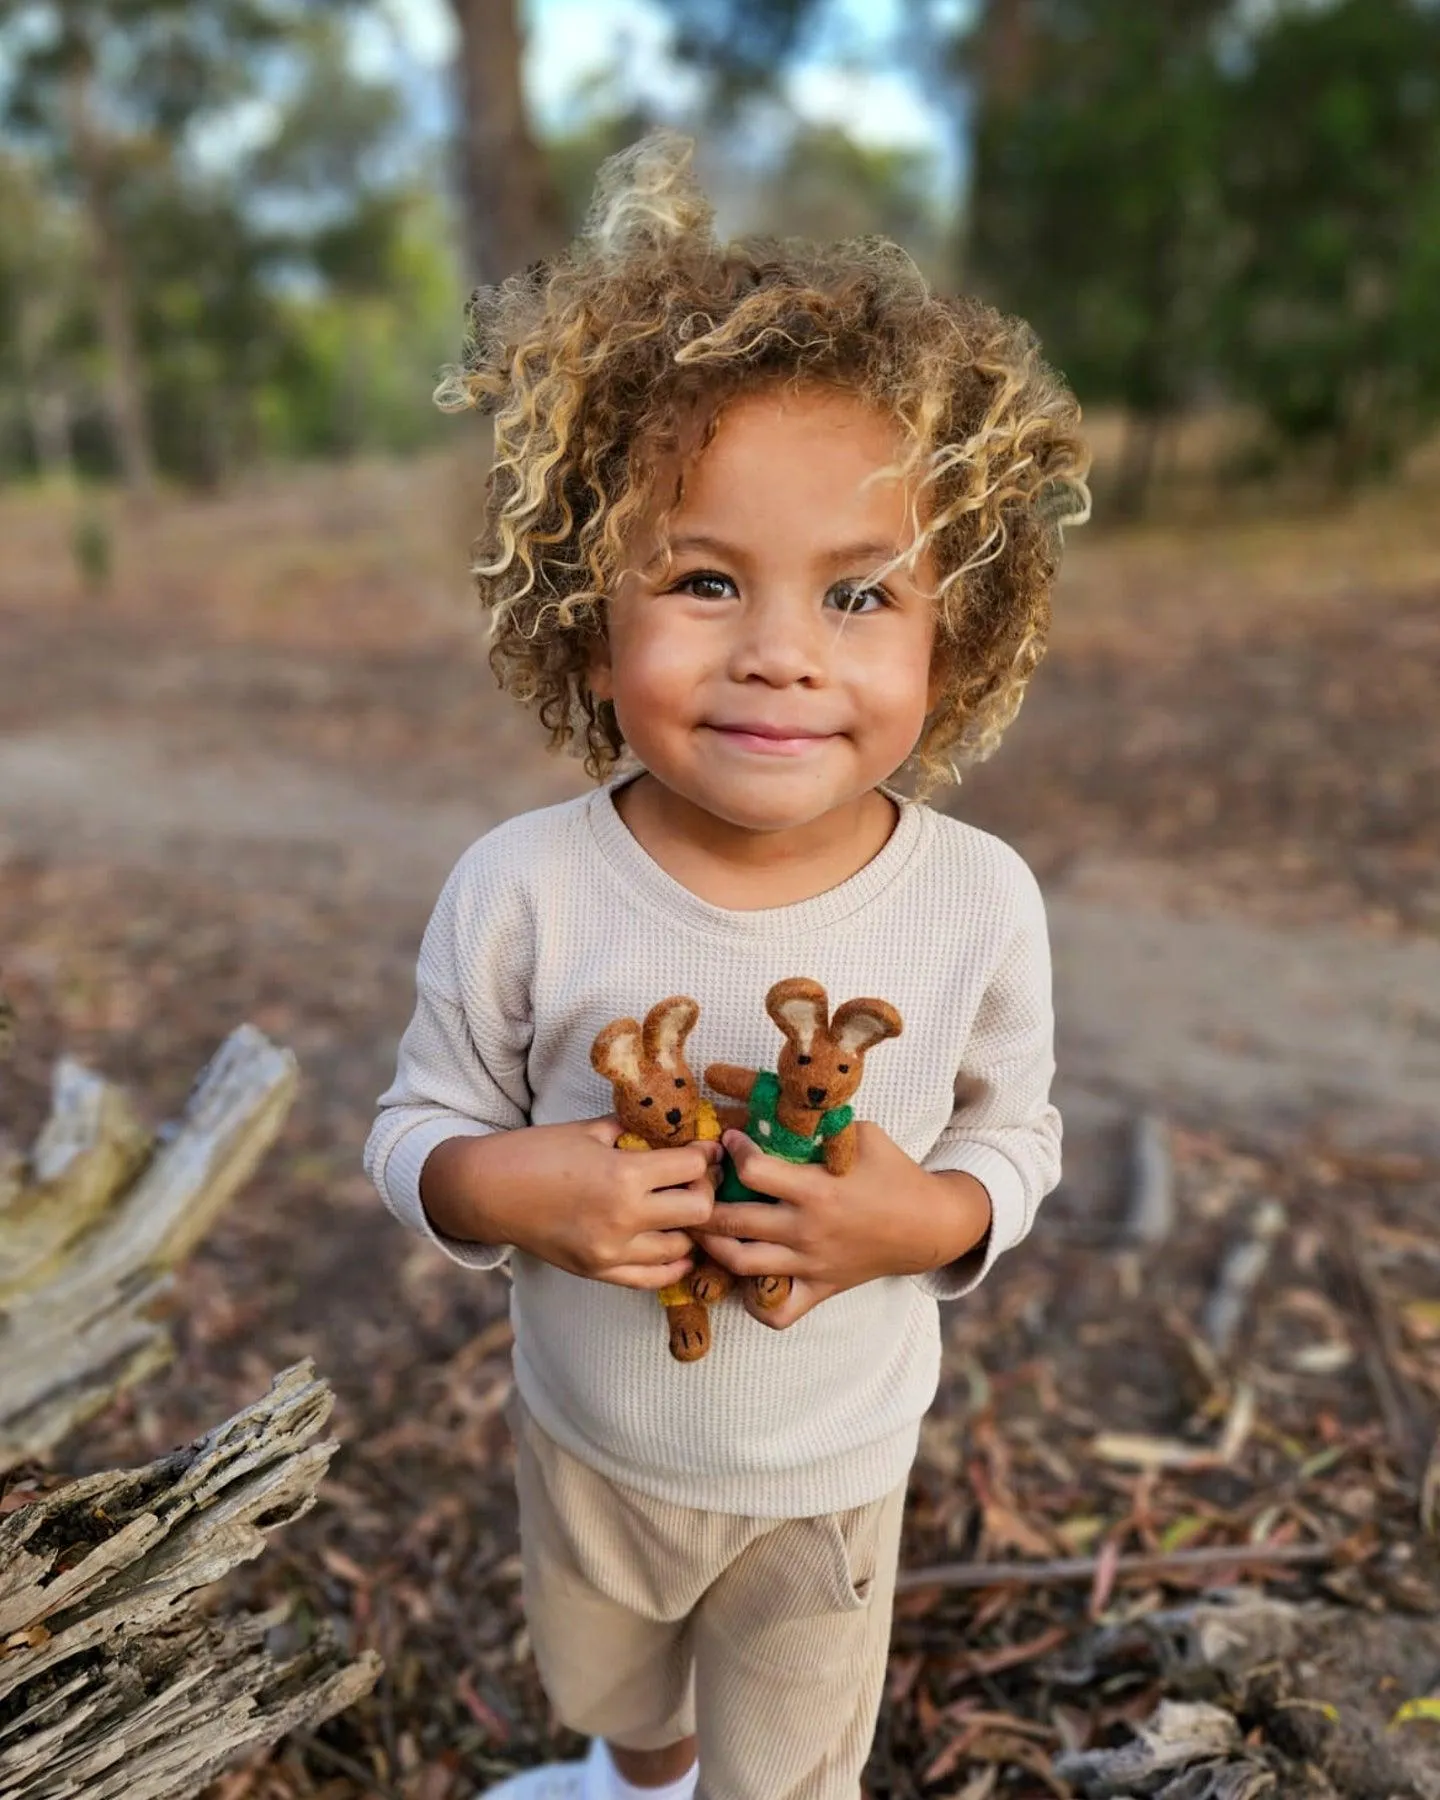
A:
(1008, 1223)
(400, 1184)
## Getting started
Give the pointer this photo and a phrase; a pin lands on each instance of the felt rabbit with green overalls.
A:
(801, 1111)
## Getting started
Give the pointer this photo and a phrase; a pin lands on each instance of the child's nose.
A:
(780, 640)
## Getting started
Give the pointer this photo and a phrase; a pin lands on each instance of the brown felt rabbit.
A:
(802, 1111)
(658, 1103)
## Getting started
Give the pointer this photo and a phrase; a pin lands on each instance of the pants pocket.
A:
(854, 1538)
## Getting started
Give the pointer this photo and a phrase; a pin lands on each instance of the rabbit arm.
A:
(840, 1150)
(733, 1082)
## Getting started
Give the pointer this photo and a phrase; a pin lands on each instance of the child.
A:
(775, 522)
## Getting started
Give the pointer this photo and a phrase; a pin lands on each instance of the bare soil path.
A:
(1261, 1027)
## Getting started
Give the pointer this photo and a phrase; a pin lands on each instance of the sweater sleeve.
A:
(461, 1066)
(1004, 1131)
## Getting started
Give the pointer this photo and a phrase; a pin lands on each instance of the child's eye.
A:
(705, 584)
(847, 597)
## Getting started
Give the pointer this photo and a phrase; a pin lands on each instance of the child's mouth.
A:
(763, 741)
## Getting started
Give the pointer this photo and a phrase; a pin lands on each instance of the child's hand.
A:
(888, 1216)
(564, 1193)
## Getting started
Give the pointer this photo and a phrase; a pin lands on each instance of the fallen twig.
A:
(1381, 1352)
(1083, 1568)
(1150, 1215)
(1240, 1275)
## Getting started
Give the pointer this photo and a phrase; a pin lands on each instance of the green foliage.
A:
(1094, 210)
(831, 187)
(1183, 205)
(294, 295)
(741, 45)
(1330, 312)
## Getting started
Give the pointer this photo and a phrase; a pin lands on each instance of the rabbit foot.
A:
(710, 1283)
(689, 1331)
(770, 1291)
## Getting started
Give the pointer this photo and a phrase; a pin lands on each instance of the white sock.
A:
(603, 1781)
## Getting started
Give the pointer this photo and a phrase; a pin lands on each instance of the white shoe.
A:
(555, 1781)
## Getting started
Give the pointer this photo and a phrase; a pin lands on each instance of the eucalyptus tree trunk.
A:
(512, 208)
(114, 294)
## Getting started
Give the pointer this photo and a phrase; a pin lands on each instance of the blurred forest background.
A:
(237, 231)
(246, 726)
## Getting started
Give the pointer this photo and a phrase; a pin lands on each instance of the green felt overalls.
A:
(764, 1129)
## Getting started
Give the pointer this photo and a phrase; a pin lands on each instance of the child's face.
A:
(763, 679)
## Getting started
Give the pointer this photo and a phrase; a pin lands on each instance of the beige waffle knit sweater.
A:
(557, 922)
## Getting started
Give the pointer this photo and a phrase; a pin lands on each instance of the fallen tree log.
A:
(118, 1676)
(112, 1682)
(94, 1220)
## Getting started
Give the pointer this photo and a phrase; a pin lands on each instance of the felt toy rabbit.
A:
(658, 1103)
(801, 1112)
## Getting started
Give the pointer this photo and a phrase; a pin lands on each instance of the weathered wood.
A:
(112, 1683)
(1240, 1276)
(99, 1216)
(1150, 1213)
(1197, 1744)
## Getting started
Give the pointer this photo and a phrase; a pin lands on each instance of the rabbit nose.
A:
(673, 1116)
(817, 1096)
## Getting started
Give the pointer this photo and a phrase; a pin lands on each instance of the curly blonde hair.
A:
(591, 363)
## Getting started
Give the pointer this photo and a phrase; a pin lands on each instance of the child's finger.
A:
(647, 1275)
(752, 1259)
(680, 1208)
(674, 1168)
(770, 1174)
(648, 1248)
(770, 1224)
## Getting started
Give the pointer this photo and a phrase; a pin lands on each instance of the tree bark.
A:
(114, 296)
(512, 208)
(119, 1679)
(117, 1682)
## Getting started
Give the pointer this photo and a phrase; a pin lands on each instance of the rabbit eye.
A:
(647, 1101)
(844, 1068)
(802, 1060)
(679, 1082)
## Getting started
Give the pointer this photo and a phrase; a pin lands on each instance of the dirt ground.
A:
(229, 788)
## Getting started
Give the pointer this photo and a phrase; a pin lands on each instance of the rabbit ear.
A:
(860, 1023)
(667, 1025)
(615, 1053)
(800, 1008)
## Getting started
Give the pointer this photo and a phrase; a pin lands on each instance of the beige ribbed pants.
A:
(650, 1621)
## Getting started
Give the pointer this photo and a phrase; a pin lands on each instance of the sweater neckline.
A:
(658, 889)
